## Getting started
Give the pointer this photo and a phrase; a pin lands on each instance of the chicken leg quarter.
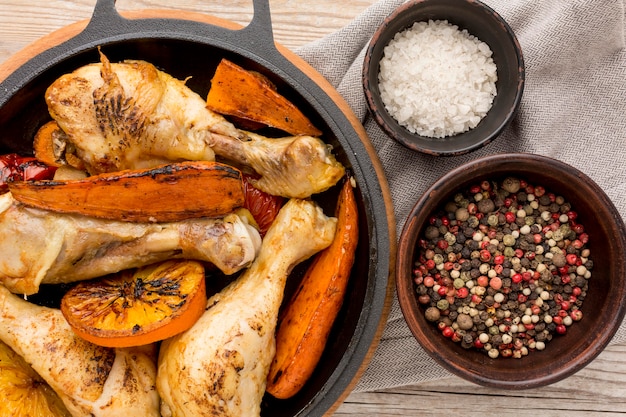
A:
(220, 365)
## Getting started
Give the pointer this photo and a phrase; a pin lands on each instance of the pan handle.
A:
(106, 21)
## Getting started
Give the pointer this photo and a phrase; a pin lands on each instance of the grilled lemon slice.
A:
(137, 307)
(24, 393)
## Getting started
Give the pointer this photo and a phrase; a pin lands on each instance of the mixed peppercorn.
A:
(503, 267)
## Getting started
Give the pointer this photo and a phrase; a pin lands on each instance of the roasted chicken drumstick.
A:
(219, 366)
(39, 246)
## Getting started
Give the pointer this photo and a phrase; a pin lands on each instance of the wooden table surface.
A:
(598, 389)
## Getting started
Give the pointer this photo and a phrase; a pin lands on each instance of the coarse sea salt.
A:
(437, 80)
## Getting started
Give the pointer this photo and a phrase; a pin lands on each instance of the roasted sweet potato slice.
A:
(246, 95)
(307, 319)
(52, 147)
(166, 193)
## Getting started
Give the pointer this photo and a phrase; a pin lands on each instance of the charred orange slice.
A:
(137, 307)
(24, 393)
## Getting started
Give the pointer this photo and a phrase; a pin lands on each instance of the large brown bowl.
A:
(604, 306)
(189, 46)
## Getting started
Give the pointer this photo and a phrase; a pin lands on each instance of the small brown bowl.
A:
(603, 307)
(479, 20)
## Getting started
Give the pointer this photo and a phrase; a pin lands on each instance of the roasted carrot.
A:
(246, 95)
(163, 194)
(307, 319)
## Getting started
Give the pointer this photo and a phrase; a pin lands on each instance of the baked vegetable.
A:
(249, 96)
(14, 167)
(308, 317)
(51, 147)
(166, 193)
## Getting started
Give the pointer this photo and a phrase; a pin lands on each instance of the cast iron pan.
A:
(191, 45)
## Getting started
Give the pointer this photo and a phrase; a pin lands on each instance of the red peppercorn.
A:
(448, 266)
(566, 279)
(576, 291)
(537, 238)
(571, 258)
(578, 228)
(476, 299)
(523, 183)
(529, 326)
(557, 320)
(572, 215)
(584, 238)
(447, 331)
(565, 305)
(519, 253)
(430, 264)
(498, 269)
(527, 275)
(424, 299)
(495, 283)
(472, 208)
(509, 216)
(429, 281)
(482, 280)
(561, 329)
(442, 291)
(539, 191)
(462, 292)
(508, 202)
(485, 256)
(475, 189)
(576, 315)
(432, 220)
(478, 344)
(498, 259)
(521, 298)
(445, 221)
(516, 278)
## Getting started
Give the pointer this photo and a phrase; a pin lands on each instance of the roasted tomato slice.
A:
(263, 206)
(14, 167)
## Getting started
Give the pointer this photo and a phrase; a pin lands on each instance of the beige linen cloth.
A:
(573, 109)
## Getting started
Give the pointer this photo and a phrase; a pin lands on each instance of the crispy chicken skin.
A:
(92, 381)
(219, 366)
(39, 246)
(130, 115)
